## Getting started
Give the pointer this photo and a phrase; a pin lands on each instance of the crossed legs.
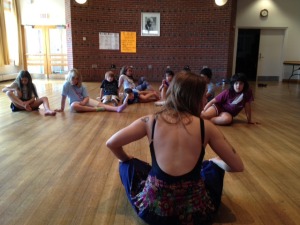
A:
(31, 104)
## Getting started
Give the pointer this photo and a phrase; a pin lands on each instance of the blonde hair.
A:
(109, 74)
(74, 73)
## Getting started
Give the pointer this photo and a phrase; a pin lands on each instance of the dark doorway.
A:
(247, 52)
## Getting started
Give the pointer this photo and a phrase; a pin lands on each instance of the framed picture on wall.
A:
(150, 24)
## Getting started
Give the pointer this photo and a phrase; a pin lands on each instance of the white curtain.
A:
(16, 10)
(4, 55)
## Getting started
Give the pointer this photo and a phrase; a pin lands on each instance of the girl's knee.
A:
(208, 114)
(44, 99)
(204, 115)
(10, 93)
(74, 107)
(226, 118)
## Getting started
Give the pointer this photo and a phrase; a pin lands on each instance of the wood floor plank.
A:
(58, 171)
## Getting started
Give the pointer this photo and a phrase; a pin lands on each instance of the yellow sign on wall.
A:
(128, 42)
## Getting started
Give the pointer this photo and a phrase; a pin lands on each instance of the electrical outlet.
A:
(94, 66)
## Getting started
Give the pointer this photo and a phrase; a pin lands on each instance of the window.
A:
(11, 30)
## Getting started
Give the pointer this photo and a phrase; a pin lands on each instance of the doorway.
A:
(45, 50)
(247, 52)
(259, 54)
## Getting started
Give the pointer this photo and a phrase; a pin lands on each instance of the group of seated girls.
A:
(141, 93)
(220, 109)
(23, 95)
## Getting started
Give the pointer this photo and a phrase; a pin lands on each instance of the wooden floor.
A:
(57, 170)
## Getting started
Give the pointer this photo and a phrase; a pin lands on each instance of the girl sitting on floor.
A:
(23, 95)
(79, 98)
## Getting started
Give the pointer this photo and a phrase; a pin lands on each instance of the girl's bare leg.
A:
(149, 97)
(114, 108)
(209, 113)
(45, 102)
(223, 119)
(83, 108)
(98, 108)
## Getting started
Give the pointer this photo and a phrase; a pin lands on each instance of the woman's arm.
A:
(131, 133)
(228, 159)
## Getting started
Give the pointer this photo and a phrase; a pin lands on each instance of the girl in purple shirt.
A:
(228, 104)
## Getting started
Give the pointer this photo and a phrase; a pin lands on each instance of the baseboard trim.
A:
(291, 81)
(267, 78)
(8, 77)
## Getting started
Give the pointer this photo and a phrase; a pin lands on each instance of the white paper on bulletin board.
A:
(109, 41)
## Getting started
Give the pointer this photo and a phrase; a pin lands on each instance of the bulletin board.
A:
(109, 41)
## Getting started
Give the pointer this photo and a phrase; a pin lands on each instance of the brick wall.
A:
(192, 32)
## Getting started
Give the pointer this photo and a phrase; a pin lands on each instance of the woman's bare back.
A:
(177, 147)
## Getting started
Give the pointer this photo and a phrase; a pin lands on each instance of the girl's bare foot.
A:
(50, 113)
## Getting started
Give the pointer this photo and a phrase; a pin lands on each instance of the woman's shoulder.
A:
(144, 121)
(147, 119)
